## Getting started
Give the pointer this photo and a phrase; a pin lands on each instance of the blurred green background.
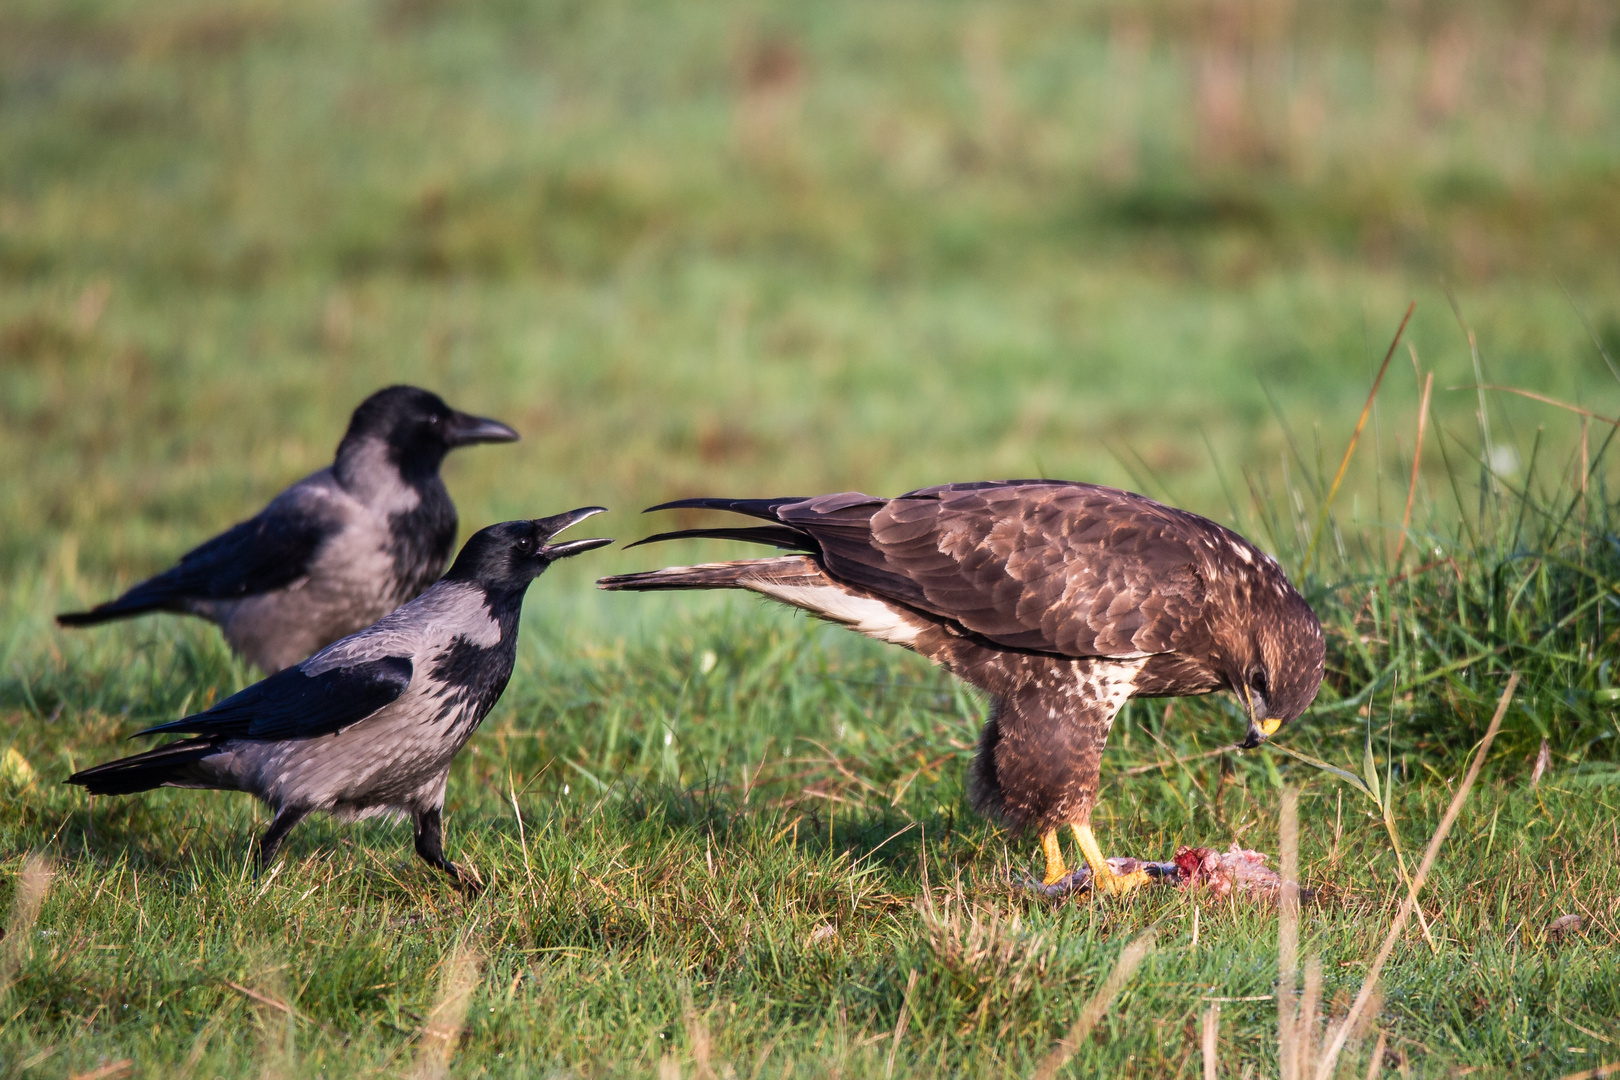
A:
(760, 249)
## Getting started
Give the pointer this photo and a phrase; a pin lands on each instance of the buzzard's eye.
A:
(1257, 681)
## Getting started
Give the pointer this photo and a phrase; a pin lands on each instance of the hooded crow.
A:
(334, 552)
(370, 724)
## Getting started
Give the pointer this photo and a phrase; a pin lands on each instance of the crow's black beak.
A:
(551, 526)
(464, 430)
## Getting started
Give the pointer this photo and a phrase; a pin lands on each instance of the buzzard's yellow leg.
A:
(1055, 870)
(1103, 878)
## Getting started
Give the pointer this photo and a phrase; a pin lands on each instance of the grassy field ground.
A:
(754, 249)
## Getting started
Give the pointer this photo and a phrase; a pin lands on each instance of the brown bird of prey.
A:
(1060, 600)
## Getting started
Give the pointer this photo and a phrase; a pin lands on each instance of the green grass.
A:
(752, 249)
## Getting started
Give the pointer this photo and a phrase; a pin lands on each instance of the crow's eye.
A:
(525, 545)
(1257, 681)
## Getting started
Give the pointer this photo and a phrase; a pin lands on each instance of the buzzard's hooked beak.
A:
(1261, 728)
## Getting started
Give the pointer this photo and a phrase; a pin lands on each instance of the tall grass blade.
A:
(1355, 437)
(32, 885)
(900, 1024)
(442, 1031)
(1130, 958)
(1417, 461)
(1317, 763)
(1211, 1039)
(1288, 1062)
(1330, 1057)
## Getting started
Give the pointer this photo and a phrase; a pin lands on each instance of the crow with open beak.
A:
(370, 724)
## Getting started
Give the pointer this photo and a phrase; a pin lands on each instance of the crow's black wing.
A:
(293, 705)
(264, 553)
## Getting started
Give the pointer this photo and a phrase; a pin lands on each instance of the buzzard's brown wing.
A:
(1072, 569)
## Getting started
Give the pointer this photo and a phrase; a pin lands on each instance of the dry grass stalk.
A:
(270, 1000)
(1305, 1022)
(1288, 936)
(199, 1045)
(278, 1032)
(1545, 400)
(1417, 460)
(1375, 1064)
(1355, 436)
(32, 885)
(1212, 1031)
(1611, 1068)
(698, 1039)
(444, 1024)
(1130, 958)
(1543, 762)
(900, 1023)
(1369, 985)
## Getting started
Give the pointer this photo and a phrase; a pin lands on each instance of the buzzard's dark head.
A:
(1275, 667)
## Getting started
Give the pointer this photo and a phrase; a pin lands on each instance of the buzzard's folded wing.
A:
(1071, 569)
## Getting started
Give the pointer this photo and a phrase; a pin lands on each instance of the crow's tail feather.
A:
(113, 609)
(176, 765)
(148, 596)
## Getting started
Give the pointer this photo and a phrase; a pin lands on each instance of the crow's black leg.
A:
(270, 842)
(430, 846)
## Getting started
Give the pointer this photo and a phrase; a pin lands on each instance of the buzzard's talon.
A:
(1114, 883)
(1056, 872)
(1125, 874)
(1112, 877)
(1077, 882)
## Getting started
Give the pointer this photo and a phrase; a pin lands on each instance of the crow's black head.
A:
(512, 554)
(418, 428)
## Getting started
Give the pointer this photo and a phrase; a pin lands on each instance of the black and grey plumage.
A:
(370, 724)
(334, 552)
(1059, 600)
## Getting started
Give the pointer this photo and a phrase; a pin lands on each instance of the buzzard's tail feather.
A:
(759, 508)
(175, 765)
(742, 574)
(777, 535)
